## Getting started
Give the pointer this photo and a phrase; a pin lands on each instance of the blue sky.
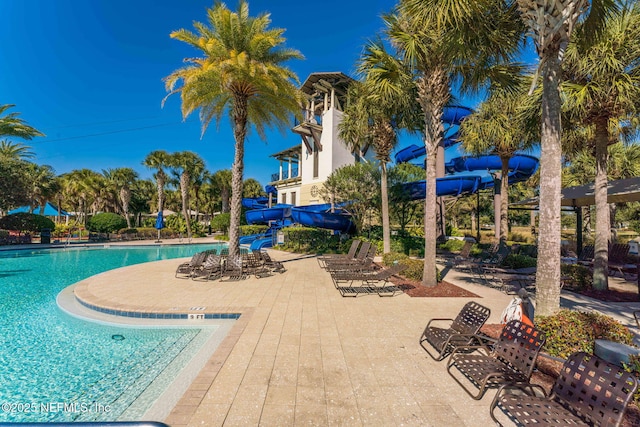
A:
(88, 73)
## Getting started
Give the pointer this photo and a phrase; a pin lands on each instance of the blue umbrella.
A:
(159, 221)
(159, 224)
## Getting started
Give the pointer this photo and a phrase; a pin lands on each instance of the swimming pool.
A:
(59, 368)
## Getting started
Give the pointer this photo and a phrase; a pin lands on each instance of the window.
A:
(283, 198)
(316, 154)
(293, 198)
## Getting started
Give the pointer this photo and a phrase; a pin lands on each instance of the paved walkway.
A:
(300, 354)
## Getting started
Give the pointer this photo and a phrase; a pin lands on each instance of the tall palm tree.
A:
(497, 128)
(43, 184)
(122, 180)
(12, 125)
(376, 111)
(15, 150)
(221, 181)
(443, 49)
(602, 84)
(550, 24)
(185, 166)
(158, 160)
(240, 73)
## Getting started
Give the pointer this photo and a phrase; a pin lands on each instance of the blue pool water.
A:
(54, 367)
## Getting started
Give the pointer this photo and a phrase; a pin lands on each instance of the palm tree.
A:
(122, 179)
(43, 184)
(602, 84)
(221, 181)
(496, 128)
(375, 112)
(240, 72)
(158, 160)
(12, 125)
(550, 24)
(16, 151)
(185, 165)
(441, 48)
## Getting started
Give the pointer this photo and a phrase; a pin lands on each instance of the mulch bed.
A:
(611, 295)
(547, 370)
(442, 289)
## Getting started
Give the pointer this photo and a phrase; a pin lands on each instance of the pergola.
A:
(618, 191)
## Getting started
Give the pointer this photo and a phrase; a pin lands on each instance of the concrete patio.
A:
(300, 354)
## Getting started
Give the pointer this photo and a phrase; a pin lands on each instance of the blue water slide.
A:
(521, 166)
(255, 202)
(258, 244)
(329, 220)
(414, 151)
(264, 215)
(445, 186)
(454, 114)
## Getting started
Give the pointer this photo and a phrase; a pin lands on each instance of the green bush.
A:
(392, 257)
(519, 261)
(310, 240)
(569, 331)
(415, 267)
(247, 230)
(576, 277)
(106, 222)
(24, 221)
(452, 245)
(221, 222)
(177, 223)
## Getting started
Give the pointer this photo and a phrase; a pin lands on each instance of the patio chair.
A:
(186, 269)
(586, 256)
(364, 264)
(211, 268)
(461, 331)
(271, 264)
(511, 360)
(362, 253)
(253, 264)
(233, 268)
(588, 391)
(368, 281)
(349, 255)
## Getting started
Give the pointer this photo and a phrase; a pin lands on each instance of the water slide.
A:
(467, 173)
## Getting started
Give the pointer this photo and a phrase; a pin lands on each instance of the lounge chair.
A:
(511, 360)
(461, 331)
(211, 268)
(588, 391)
(253, 264)
(233, 268)
(368, 282)
(272, 264)
(365, 263)
(362, 253)
(186, 269)
(349, 255)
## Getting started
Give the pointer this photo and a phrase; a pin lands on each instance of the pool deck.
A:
(300, 354)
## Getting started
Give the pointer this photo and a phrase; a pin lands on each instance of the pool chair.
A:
(186, 269)
(461, 331)
(362, 253)
(211, 268)
(367, 282)
(511, 360)
(233, 268)
(253, 264)
(271, 264)
(364, 263)
(588, 391)
(349, 255)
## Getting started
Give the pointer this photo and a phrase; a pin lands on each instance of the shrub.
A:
(24, 221)
(246, 230)
(576, 277)
(310, 240)
(452, 245)
(221, 222)
(177, 223)
(106, 222)
(393, 257)
(519, 261)
(414, 268)
(569, 331)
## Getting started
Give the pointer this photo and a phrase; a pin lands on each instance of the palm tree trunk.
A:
(384, 194)
(429, 277)
(184, 189)
(125, 198)
(548, 272)
(239, 133)
(504, 201)
(601, 247)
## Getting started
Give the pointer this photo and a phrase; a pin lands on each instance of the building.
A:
(305, 167)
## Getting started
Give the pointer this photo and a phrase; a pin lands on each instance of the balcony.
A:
(275, 177)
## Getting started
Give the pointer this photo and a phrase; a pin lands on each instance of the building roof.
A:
(618, 191)
(287, 153)
(316, 81)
